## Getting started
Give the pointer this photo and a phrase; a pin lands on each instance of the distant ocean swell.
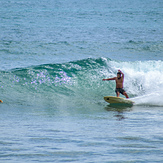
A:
(80, 81)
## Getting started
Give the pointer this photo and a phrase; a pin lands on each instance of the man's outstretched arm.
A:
(109, 79)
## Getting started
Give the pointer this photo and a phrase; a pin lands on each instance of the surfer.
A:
(119, 84)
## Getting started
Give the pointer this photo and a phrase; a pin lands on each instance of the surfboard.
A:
(118, 100)
(1, 101)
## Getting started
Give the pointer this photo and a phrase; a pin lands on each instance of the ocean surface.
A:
(53, 57)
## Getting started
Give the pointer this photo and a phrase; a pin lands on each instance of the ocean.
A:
(53, 57)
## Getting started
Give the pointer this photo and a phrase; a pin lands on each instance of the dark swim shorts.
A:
(120, 90)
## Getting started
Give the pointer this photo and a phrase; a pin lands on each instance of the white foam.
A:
(143, 80)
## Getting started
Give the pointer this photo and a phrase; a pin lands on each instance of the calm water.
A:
(54, 55)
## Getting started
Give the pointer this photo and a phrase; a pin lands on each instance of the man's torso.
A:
(119, 83)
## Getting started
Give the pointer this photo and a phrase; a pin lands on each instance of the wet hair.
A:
(119, 73)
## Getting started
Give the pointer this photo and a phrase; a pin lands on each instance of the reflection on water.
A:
(119, 109)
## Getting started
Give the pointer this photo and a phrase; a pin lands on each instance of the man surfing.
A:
(119, 84)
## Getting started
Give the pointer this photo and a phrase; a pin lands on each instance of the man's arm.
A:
(109, 79)
(121, 73)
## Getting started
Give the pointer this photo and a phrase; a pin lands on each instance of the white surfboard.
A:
(118, 100)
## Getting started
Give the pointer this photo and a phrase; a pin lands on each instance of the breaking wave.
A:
(78, 83)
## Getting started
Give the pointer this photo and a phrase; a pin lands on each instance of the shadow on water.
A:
(119, 110)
